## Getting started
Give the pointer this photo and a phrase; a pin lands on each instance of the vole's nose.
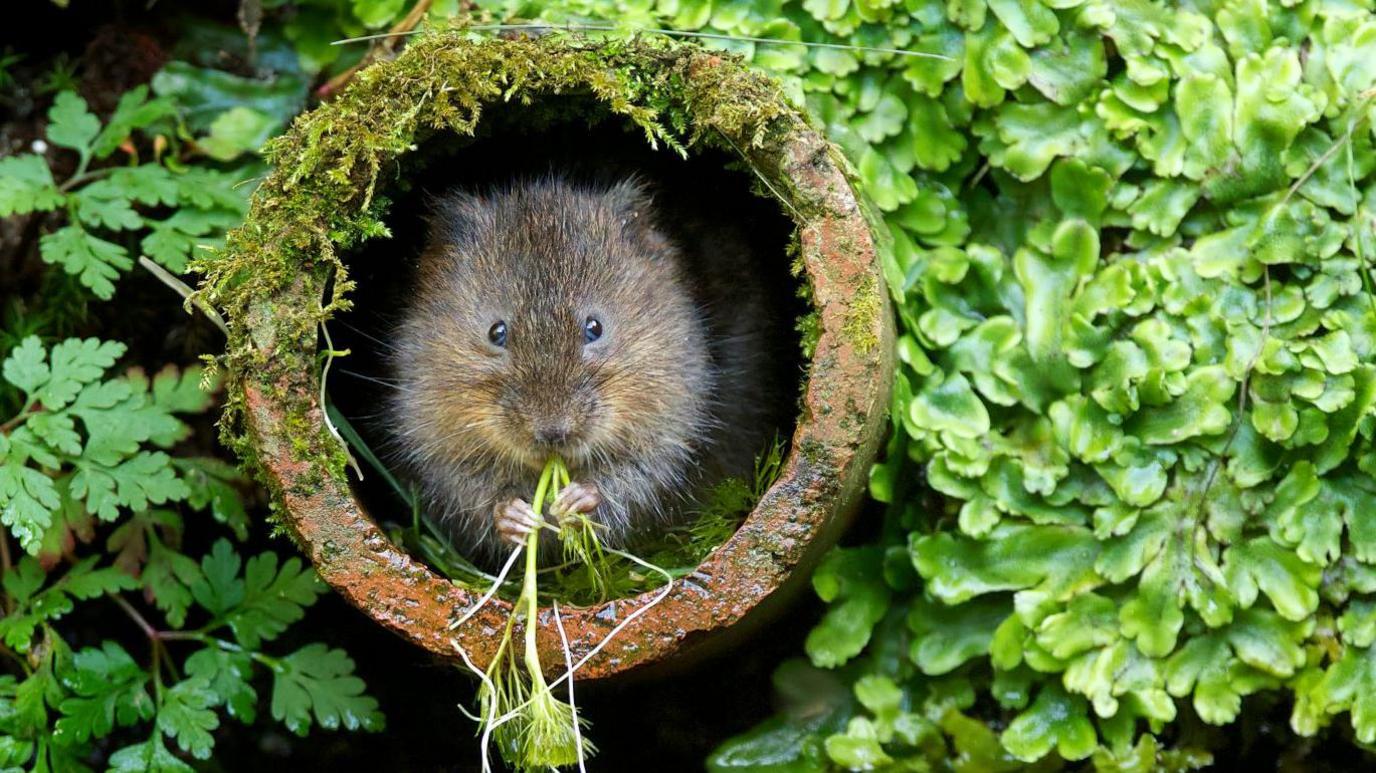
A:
(553, 432)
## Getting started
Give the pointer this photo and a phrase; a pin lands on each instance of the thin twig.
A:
(585, 27)
(385, 43)
(777, 195)
(977, 176)
(1330, 152)
(139, 620)
(181, 288)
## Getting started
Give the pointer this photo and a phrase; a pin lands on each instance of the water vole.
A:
(552, 317)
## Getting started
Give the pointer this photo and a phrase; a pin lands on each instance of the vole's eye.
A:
(592, 330)
(497, 333)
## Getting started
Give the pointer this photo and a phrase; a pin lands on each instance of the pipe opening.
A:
(711, 207)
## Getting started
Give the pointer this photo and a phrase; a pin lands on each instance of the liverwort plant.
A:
(1129, 483)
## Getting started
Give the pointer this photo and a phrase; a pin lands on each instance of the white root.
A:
(568, 663)
(663, 593)
(492, 591)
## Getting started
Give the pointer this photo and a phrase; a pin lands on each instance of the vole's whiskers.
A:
(371, 417)
(389, 383)
(386, 346)
(443, 441)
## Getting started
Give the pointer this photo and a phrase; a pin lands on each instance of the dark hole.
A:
(573, 138)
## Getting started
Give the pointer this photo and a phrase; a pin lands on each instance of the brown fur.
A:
(673, 396)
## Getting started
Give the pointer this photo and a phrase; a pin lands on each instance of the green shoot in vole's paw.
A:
(518, 710)
(533, 729)
(582, 546)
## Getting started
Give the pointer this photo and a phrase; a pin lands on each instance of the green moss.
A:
(809, 327)
(332, 166)
(808, 324)
(866, 306)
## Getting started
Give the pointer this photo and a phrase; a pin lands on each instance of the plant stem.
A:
(529, 589)
(139, 620)
(528, 595)
(189, 636)
(6, 563)
(16, 657)
(382, 44)
(19, 418)
(227, 646)
(182, 289)
(158, 640)
(159, 651)
(82, 177)
(1337, 145)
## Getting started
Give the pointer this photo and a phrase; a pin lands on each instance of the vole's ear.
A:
(456, 219)
(632, 201)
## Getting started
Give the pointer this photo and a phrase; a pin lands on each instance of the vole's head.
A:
(550, 318)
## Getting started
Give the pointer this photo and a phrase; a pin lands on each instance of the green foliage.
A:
(316, 684)
(852, 580)
(8, 59)
(1130, 264)
(233, 113)
(101, 481)
(87, 448)
(106, 208)
(70, 700)
(54, 477)
(1129, 259)
(61, 75)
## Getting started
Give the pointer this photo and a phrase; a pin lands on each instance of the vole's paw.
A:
(575, 499)
(515, 520)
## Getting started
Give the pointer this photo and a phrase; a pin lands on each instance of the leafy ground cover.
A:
(133, 627)
(1126, 506)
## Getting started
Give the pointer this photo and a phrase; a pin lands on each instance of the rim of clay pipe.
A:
(823, 479)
